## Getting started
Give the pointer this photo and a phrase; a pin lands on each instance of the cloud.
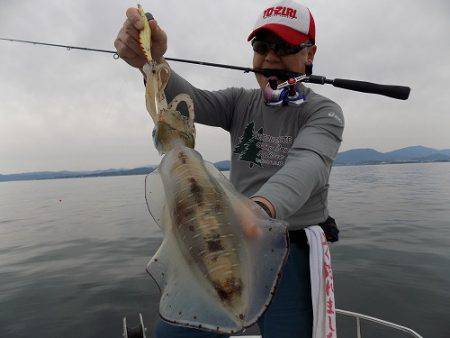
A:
(81, 110)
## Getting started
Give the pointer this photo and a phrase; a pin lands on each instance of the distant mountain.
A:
(411, 153)
(404, 155)
(222, 165)
(415, 154)
(358, 156)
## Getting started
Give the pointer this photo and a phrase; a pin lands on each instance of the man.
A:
(282, 150)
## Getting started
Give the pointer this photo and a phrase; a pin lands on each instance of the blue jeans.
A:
(289, 315)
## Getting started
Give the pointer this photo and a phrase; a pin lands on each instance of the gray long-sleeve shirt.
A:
(282, 153)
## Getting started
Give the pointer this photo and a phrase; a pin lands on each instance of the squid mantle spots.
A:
(218, 205)
(183, 158)
(229, 289)
(224, 295)
(234, 285)
(182, 212)
(196, 190)
(214, 245)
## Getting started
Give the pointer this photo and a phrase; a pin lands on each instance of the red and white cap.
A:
(288, 19)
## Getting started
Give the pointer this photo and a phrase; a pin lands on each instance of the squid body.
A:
(220, 259)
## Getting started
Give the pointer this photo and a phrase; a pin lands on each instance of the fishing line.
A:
(396, 92)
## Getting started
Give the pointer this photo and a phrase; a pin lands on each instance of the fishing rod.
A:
(393, 91)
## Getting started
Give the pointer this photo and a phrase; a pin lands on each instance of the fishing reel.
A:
(286, 93)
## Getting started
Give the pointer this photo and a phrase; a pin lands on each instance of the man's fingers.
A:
(127, 44)
(248, 221)
(131, 30)
(157, 33)
(134, 25)
(130, 42)
(251, 230)
(125, 52)
(153, 25)
(135, 18)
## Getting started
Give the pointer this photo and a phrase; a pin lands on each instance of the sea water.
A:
(73, 252)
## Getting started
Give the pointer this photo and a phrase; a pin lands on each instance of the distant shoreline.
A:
(141, 171)
(353, 157)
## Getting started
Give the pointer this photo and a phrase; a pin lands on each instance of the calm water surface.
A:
(73, 252)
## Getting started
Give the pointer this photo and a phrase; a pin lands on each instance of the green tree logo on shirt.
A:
(248, 147)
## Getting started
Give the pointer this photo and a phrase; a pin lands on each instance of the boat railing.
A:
(358, 321)
(360, 317)
(140, 331)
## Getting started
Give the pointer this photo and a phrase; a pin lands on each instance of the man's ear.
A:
(309, 60)
(311, 52)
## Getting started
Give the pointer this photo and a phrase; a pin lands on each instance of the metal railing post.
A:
(360, 316)
(358, 328)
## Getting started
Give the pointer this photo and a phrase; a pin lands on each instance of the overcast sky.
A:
(80, 110)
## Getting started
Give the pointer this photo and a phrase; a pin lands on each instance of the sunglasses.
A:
(280, 48)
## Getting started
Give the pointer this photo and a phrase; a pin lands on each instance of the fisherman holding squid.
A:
(283, 145)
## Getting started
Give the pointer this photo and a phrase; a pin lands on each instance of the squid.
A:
(221, 256)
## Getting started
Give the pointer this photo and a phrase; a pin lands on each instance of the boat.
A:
(140, 330)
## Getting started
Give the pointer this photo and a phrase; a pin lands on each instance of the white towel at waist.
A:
(322, 288)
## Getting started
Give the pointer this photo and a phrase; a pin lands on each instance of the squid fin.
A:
(183, 300)
(155, 196)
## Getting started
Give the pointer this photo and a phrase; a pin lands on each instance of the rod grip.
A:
(317, 79)
(396, 92)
